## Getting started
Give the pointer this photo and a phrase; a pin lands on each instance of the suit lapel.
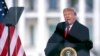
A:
(74, 27)
(74, 30)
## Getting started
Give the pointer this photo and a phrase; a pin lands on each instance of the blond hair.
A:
(70, 9)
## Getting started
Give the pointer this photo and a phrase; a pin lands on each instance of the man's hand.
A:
(85, 45)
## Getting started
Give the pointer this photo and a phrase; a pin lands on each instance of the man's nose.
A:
(67, 17)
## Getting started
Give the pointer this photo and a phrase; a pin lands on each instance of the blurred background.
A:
(40, 17)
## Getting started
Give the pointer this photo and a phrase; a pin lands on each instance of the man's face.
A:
(69, 16)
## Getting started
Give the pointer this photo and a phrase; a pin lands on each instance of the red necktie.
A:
(66, 31)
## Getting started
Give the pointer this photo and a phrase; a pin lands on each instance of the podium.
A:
(58, 46)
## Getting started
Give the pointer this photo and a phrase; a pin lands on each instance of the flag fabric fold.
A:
(16, 48)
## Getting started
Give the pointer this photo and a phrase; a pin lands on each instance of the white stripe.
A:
(7, 54)
(21, 51)
(3, 38)
(13, 42)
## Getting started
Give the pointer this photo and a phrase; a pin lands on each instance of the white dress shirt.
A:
(69, 28)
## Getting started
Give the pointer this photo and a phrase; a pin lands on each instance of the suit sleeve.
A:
(53, 44)
(57, 28)
(86, 45)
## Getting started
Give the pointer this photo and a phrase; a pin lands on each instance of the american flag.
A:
(16, 48)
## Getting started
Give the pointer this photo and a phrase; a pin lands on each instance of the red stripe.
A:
(24, 54)
(17, 47)
(5, 49)
(12, 29)
(1, 29)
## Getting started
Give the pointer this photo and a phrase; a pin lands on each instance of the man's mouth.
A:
(68, 19)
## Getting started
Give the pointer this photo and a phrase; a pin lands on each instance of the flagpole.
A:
(8, 40)
(8, 25)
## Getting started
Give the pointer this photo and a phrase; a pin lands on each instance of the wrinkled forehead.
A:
(68, 9)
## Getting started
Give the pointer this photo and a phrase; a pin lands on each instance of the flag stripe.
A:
(21, 51)
(13, 41)
(3, 38)
(17, 47)
(7, 54)
(1, 29)
(24, 54)
(11, 32)
(5, 49)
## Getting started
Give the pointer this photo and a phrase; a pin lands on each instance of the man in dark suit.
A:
(69, 34)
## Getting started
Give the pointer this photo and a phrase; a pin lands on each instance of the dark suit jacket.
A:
(77, 38)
